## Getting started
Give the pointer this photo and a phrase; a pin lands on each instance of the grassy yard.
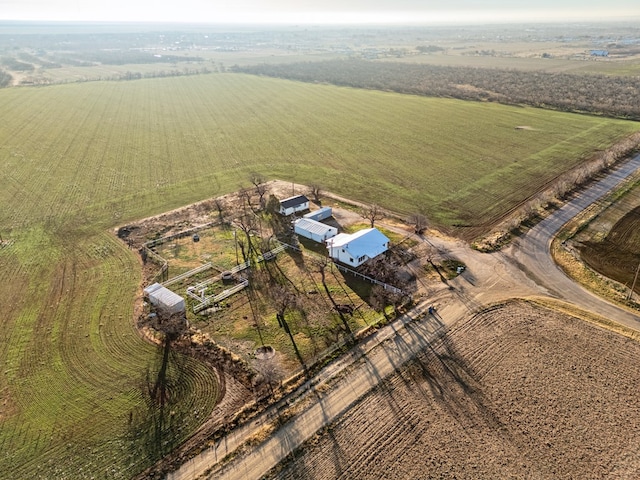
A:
(79, 159)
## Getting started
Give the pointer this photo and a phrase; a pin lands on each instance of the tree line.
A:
(613, 96)
(5, 79)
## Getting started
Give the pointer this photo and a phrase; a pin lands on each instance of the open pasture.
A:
(78, 160)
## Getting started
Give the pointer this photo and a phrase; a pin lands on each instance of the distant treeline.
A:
(118, 57)
(596, 94)
(39, 80)
(5, 79)
(14, 64)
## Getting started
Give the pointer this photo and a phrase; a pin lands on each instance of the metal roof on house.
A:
(370, 242)
(293, 201)
(314, 227)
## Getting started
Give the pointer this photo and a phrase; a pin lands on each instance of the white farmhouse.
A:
(291, 205)
(164, 299)
(356, 248)
(313, 230)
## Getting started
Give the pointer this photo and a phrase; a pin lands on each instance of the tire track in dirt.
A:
(559, 401)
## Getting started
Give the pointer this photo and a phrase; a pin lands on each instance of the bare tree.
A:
(381, 297)
(220, 207)
(244, 199)
(419, 222)
(372, 213)
(322, 265)
(315, 190)
(271, 371)
(283, 299)
(248, 224)
(173, 325)
(259, 183)
(273, 205)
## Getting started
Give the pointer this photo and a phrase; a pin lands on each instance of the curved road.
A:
(532, 251)
(488, 278)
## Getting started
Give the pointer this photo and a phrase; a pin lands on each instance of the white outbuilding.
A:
(291, 205)
(164, 299)
(319, 214)
(313, 230)
(356, 248)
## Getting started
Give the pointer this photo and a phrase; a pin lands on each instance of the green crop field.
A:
(79, 159)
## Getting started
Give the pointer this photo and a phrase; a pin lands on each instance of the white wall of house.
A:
(290, 211)
(355, 249)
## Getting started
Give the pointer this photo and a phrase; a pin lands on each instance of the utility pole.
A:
(633, 285)
(235, 240)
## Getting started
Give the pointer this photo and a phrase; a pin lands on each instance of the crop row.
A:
(81, 159)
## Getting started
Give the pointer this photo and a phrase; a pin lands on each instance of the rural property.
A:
(328, 252)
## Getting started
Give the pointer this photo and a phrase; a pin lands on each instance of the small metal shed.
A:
(164, 299)
(320, 214)
(316, 231)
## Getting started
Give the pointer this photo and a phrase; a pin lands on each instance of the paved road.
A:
(533, 251)
(489, 278)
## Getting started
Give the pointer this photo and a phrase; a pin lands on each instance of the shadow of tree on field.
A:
(156, 426)
(451, 381)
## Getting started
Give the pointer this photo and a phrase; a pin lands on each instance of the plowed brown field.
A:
(616, 256)
(516, 392)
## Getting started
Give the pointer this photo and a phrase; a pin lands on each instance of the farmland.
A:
(78, 160)
(514, 392)
(605, 239)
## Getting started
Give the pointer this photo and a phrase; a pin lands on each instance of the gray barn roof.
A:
(162, 296)
(313, 226)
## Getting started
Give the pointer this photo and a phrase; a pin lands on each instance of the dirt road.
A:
(513, 392)
(488, 278)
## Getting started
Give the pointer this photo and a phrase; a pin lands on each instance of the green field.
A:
(79, 159)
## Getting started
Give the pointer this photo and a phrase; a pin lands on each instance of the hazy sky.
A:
(317, 11)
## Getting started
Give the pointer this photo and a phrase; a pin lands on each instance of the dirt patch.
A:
(516, 392)
(617, 255)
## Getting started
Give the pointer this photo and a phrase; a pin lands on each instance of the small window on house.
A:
(351, 260)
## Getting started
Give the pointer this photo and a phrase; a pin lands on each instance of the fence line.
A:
(209, 281)
(342, 268)
(164, 265)
(386, 286)
(190, 273)
(199, 287)
(205, 302)
(180, 234)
